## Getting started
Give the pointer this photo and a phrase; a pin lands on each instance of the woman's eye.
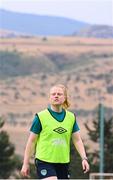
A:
(59, 94)
(53, 94)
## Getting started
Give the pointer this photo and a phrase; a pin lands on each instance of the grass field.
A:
(60, 44)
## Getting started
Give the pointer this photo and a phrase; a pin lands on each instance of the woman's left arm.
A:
(78, 143)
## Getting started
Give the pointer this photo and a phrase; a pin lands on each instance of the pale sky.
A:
(91, 11)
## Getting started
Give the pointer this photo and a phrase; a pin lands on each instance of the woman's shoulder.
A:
(41, 112)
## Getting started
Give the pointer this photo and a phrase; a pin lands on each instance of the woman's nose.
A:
(56, 95)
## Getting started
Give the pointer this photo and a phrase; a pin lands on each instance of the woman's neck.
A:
(56, 108)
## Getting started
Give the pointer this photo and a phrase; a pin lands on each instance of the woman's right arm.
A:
(29, 150)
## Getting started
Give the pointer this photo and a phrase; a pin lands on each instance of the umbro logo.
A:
(60, 130)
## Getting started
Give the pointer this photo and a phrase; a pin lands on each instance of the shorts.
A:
(46, 169)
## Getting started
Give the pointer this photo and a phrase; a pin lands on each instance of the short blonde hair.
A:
(66, 103)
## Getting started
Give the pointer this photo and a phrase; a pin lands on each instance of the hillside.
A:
(9, 34)
(14, 24)
(30, 66)
(32, 24)
(97, 31)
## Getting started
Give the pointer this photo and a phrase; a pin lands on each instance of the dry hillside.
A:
(84, 65)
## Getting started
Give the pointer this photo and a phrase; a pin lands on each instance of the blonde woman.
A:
(50, 135)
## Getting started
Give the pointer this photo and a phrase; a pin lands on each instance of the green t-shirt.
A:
(59, 116)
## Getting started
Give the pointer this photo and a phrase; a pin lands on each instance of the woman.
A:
(50, 135)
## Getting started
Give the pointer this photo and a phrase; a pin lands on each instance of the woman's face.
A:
(57, 96)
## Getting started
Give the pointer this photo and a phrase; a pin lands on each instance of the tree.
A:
(94, 135)
(108, 147)
(8, 159)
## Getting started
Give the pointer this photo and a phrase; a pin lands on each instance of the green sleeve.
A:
(36, 125)
(75, 126)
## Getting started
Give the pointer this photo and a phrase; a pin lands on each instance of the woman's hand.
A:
(25, 170)
(29, 150)
(85, 165)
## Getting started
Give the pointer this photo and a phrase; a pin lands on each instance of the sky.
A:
(90, 11)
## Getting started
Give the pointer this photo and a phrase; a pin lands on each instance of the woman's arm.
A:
(77, 141)
(29, 150)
